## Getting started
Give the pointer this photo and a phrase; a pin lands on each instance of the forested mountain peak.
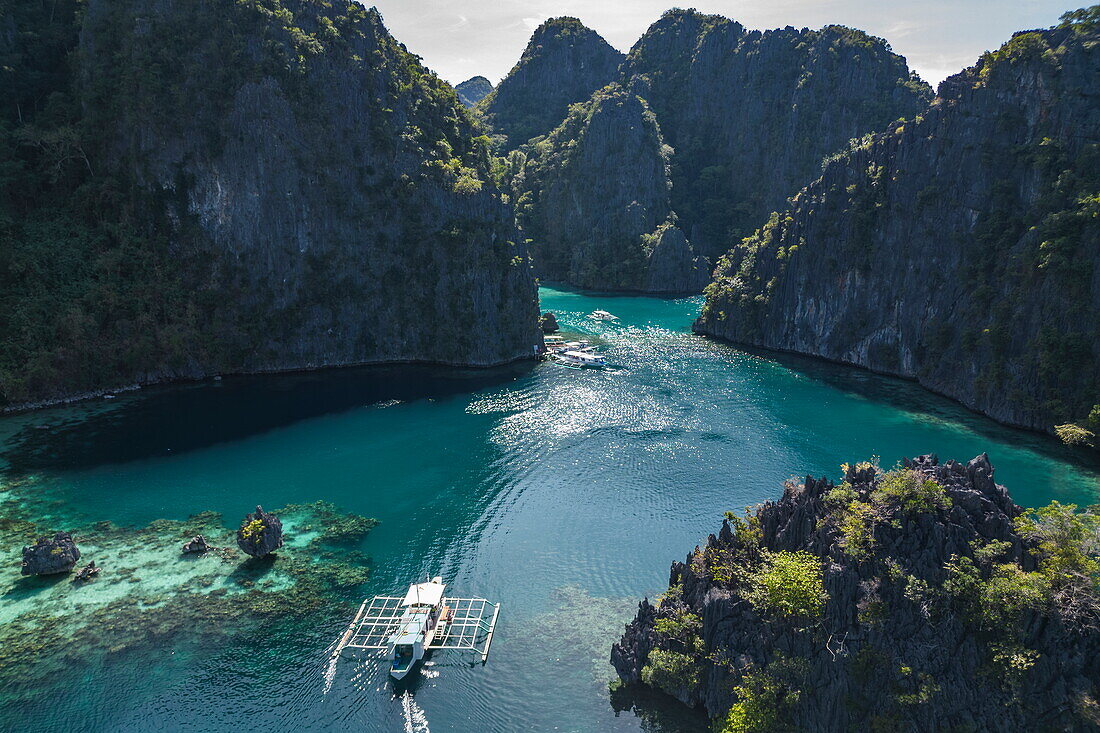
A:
(564, 62)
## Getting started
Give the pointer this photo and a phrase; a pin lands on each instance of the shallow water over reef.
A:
(562, 494)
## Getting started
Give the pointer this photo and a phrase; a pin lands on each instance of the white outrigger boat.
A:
(601, 315)
(408, 627)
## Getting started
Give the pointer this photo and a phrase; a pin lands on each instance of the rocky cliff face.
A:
(747, 118)
(261, 186)
(473, 90)
(893, 601)
(596, 201)
(961, 249)
(564, 62)
(751, 115)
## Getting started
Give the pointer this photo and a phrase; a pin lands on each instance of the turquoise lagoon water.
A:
(562, 494)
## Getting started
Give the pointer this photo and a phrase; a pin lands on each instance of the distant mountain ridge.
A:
(473, 90)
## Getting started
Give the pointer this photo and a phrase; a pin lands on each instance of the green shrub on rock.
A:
(671, 671)
(789, 585)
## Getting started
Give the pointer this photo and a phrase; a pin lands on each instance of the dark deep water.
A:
(564, 495)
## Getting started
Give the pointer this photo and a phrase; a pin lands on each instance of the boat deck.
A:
(469, 625)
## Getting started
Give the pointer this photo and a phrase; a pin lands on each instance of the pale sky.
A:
(463, 38)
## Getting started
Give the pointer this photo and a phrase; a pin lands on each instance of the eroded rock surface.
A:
(50, 555)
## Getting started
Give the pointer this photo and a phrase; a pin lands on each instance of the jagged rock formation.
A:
(564, 62)
(935, 605)
(50, 555)
(260, 533)
(196, 544)
(961, 249)
(596, 204)
(223, 187)
(549, 322)
(473, 90)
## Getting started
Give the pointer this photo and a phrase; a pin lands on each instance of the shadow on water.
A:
(658, 712)
(174, 419)
(33, 584)
(253, 569)
(573, 290)
(909, 396)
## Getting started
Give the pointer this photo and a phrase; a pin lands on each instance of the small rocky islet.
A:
(891, 600)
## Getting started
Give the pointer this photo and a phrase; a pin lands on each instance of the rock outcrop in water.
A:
(50, 555)
(473, 90)
(220, 187)
(892, 601)
(195, 545)
(596, 205)
(260, 533)
(564, 62)
(961, 249)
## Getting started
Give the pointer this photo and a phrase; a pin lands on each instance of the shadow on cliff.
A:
(172, 420)
(909, 396)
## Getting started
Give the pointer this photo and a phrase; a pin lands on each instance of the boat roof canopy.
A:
(426, 594)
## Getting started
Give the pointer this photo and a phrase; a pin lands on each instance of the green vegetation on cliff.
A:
(592, 198)
(751, 115)
(960, 606)
(959, 248)
(564, 62)
(235, 186)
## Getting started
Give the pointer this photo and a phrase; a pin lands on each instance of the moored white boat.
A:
(602, 315)
(405, 628)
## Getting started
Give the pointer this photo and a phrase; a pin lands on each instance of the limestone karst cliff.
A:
(564, 62)
(745, 119)
(894, 600)
(751, 114)
(192, 188)
(961, 249)
(594, 201)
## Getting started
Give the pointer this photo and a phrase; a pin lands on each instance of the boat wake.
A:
(330, 671)
(415, 719)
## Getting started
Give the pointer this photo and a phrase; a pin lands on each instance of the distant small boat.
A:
(600, 315)
(580, 359)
